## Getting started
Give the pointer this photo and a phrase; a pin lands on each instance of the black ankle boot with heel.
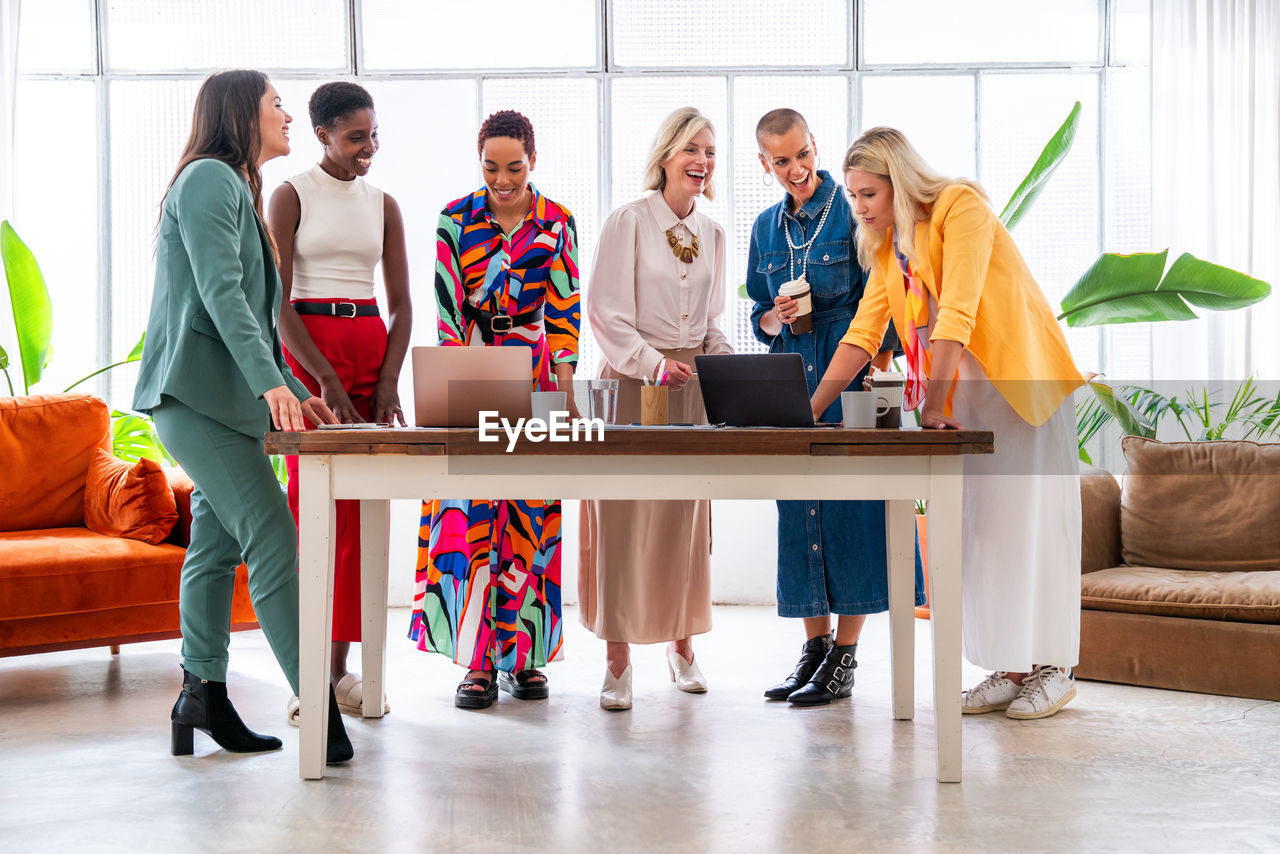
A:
(833, 679)
(811, 655)
(203, 705)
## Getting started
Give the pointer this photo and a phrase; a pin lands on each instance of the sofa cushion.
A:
(46, 442)
(1208, 506)
(1245, 597)
(74, 570)
(128, 500)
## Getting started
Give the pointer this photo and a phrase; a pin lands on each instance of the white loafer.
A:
(685, 674)
(616, 693)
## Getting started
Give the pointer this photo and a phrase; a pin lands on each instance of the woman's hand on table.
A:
(286, 411)
(678, 374)
(386, 402)
(338, 402)
(316, 410)
(931, 418)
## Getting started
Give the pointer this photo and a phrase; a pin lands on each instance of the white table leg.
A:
(946, 509)
(900, 530)
(375, 531)
(315, 607)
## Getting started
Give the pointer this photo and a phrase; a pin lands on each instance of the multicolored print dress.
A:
(488, 576)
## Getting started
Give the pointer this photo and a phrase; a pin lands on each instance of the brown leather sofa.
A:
(1180, 583)
(63, 586)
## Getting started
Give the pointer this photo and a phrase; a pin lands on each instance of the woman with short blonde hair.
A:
(983, 350)
(656, 298)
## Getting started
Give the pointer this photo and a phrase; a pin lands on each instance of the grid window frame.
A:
(853, 70)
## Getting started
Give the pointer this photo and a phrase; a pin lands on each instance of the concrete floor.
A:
(84, 762)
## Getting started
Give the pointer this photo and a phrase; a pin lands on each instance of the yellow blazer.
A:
(987, 300)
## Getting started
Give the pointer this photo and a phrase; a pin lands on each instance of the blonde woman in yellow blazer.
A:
(984, 351)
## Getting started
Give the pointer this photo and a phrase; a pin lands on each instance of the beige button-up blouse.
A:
(642, 298)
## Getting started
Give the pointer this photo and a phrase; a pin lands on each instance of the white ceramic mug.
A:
(860, 408)
(544, 403)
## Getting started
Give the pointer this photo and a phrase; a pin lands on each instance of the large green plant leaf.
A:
(1129, 289)
(1122, 289)
(134, 437)
(1211, 286)
(1033, 185)
(32, 308)
(134, 355)
(1132, 421)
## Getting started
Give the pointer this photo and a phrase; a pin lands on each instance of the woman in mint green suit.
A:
(214, 380)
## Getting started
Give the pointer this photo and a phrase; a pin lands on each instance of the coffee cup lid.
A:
(888, 377)
(795, 286)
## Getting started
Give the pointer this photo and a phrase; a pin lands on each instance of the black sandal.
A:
(524, 685)
(466, 698)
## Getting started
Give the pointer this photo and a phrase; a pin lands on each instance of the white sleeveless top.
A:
(339, 237)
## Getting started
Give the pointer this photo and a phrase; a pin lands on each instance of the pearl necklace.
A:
(792, 248)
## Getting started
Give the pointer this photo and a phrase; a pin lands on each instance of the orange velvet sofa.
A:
(63, 586)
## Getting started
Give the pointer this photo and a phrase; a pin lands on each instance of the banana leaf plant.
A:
(1136, 289)
(132, 435)
(32, 307)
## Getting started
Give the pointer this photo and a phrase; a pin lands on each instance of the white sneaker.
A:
(991, 694)
(1045, 690)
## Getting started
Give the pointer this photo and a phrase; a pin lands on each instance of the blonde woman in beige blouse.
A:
(655, 300)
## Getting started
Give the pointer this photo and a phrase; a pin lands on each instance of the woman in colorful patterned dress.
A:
(488, 576)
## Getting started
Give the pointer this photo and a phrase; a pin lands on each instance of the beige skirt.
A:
(644, 572)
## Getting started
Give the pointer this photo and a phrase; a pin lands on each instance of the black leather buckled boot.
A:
(833, 679)
(203, 705)
(811, 655)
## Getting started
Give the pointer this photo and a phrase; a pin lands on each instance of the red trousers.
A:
(355, 347)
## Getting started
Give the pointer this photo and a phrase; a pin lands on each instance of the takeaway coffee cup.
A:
(544, 403)
(798, 290)
(861, 408)
(889, 385)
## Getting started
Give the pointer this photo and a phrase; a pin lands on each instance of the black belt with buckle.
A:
(335, 309)
(490, 323)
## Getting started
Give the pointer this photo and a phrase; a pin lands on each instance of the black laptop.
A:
(755, 390)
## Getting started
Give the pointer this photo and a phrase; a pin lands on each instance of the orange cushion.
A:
(134, 501)
(46, 442)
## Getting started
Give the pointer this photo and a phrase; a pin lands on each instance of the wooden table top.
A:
(642, 441)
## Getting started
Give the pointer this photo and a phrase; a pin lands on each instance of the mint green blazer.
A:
(212, 341)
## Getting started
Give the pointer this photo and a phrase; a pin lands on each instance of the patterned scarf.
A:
(917, 319)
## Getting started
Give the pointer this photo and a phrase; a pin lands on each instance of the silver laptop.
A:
(452, 385)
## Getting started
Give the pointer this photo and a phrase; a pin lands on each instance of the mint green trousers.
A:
(238, 512)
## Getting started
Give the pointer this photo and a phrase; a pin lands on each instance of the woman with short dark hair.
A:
(488, 579)
(333, 228)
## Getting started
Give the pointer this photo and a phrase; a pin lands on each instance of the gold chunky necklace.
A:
(684, 253)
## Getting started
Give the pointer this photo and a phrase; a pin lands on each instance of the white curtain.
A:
(1215, 189)
(9, 10)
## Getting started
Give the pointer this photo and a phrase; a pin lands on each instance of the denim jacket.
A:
(836, 282)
